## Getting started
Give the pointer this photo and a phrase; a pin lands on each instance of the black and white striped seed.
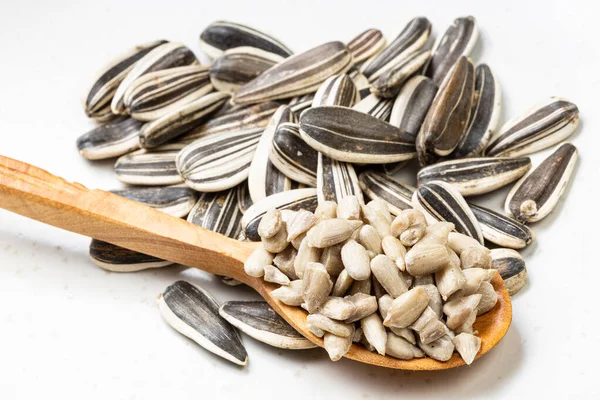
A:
(377, 185)
(336, 180)
(337, 90)
(365, 45)
(173, 200)
(113, 139)
(511, 267)
(375, 106)
(412, 103)
(218, 212)
(291, 155)
(390, 82)
(501, 230)
(154, 167)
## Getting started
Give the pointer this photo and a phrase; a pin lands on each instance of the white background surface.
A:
(70, 330)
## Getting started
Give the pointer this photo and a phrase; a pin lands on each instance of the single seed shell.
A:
(336, 180)
(115, 138)
(375, 106)
(173, 200)
(388, 85)
(377, 185)
(292, 156)
(337, 90)
(502, 230)
(412, 103)
(243, 197)
(366, 45)
(218, 212)
(118, 259)
(511, 267)
(154, 167)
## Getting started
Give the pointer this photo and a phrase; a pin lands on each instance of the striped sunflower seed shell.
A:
(348, 135)
(115, 138)
(218, 212)
(501, 230)
(412, 38)
(297, 75)
(180, 120)
(293, 200)
(168, 55)
(412, 103)
(158, 93)
(458, 40)
(118, 259)
(375, 107)
(377, 185)
(366, 45)
(485, 117)
(194, 313)
(336, 180)
(173, 200)
(98, 98)
(338, 90)
(536, 194)
(542, 126)
(264, 179)
(361, 82)
(301, 103)
(447, 119)
(389, 83)
(239, 66)
(218, 162)
(440, 201)
(243, 197)
(511, 267)
(149, 168)
(258, 320)
(473, 176)
(292, 156)
(221, 36)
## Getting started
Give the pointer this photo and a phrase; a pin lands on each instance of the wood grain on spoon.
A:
(37, 194)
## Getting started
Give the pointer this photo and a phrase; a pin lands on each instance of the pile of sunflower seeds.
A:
(265, 134)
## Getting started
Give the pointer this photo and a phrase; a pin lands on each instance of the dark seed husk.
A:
(440, 201)
(458, 40)
(154, 167)
(243, 197)
(159, 93)
(301, 103)
(473, 176)
(239, 66)
(536, 194)
(542, 126)
(222, 35)
(485, 116)
(377, 185)
(511, 267)
(366, 45)
(375, 106)
(97, 102)
(118, 259)
(361, 82)
(258, 320)
(336, 180)
(338, 90)
(293, 200)
(113, 139)
(412, 104)
(168, 55)
(173, 200)
(449, 114)
(297, 75)
(292, 156)
(348, 135)
(501, 230)
(218, 212)
(180, 120)
(194, 313)
(218, 162)
(389, 83)
(412, 38)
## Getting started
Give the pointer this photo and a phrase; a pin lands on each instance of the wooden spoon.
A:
(37, 194)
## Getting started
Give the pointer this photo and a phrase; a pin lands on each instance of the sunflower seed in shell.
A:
(194, 313)
(301, 103)
(543, 125)
(99, 97)
(412, 103)
(158, 93)
(293, 200)
(361, 82)
(440, 201)
(218, 162)
(390, 82)
(180, 120)
(447, 118)
(118, 259)
(258, 320)
(485, 117)
(297, 75)
(375, 106)
(239, 66)
(336, 180)
(292, 156)
(536, 194)
(501, 230)
(511, 267)
(458, 40)
(167, 55)
(348, 135)
(218, 212)
(413, 37)
(221, 36)
(366, 45)
(173, 200)
(474, 176)
(264, 179)
(115, 138)
(154, 167)
(377, 185)
(243, 197)
(337, 90)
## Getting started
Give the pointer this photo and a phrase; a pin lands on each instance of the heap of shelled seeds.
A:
(264, 136)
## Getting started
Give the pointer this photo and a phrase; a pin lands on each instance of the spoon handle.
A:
(39, 195)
